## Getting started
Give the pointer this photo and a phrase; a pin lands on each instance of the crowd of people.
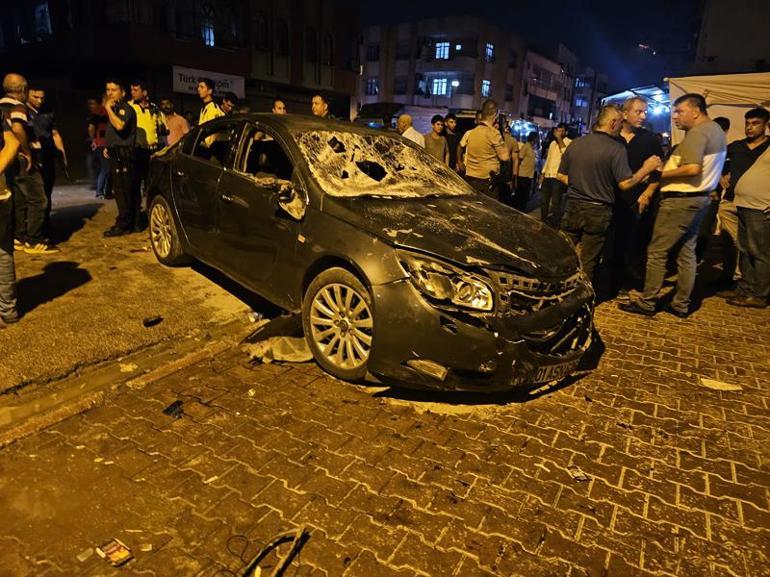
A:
(625, 204)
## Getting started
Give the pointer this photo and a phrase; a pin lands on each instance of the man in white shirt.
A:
(405, 129)
(551, 188)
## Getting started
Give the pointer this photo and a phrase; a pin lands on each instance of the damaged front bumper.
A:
(537, 333)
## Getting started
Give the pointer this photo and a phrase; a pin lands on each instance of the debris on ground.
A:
(85, 555)
(152, 321)
(577, 474)
(254, 316)
(128, 367)
(280, 339)
(290, 349)
(115, 552)
(296, 539)
(175, 409)
(719, 385)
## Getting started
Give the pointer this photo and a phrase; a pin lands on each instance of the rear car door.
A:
(257, 238)
(196, 176)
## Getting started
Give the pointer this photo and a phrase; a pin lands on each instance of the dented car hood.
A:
(471, 230)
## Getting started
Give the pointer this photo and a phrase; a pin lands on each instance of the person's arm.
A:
(500, 149)
(17, 126)
(92, 135)
(9, 151)
(691, 152)
(546, 166)
(644, 199)
(650, 165)
(117, 122)
(460, 157)
(446, 151)
(563, 178)
(58, 142)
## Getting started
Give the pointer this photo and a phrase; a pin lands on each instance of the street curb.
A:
(60, 400)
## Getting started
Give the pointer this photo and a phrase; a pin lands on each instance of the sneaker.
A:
(623, 295)
(40, 248)
(747, 301)
(672, 311)
(17, 244)
(633, 307)
(115, 231)
(10, 318)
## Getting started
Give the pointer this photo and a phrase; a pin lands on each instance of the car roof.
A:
(294, 123)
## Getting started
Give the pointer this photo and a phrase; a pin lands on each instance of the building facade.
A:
(453, 62)
(265, 48)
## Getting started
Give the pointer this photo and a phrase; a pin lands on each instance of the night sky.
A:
(607, 33)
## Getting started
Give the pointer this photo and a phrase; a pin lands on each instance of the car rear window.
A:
(352, 164)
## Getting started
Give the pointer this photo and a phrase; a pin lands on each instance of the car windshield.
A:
(350, 164)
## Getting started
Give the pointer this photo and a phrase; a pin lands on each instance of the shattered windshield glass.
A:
(352, 164)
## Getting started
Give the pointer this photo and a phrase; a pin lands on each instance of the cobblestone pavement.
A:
(635, 469)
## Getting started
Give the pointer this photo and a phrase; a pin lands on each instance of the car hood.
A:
(472, 230)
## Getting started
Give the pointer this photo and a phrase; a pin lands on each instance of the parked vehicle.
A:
(399, 269)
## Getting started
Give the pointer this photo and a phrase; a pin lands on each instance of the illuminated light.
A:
(458, 46)
(455, 83)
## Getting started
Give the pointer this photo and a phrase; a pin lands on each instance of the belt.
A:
(679, 194)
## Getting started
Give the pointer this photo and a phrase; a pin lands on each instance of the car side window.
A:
(188, 142)
(263, 156)
(215, 143)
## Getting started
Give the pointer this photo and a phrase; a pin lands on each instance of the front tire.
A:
(164, 236)
(338, 320)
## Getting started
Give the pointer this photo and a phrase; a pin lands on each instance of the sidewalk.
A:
(87, 303)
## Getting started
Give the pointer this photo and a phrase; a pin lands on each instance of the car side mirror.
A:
(293, 201)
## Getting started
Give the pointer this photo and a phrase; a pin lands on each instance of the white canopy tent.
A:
(730, 95)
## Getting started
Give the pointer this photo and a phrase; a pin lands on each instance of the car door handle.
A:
(226, 198)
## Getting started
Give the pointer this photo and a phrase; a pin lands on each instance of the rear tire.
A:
(164, 236)
(338, 320)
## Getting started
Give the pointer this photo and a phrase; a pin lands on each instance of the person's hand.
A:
(105, 154)
(653, 163)
(767, 213)
(643, 202)
(724, 182)
(713, 196)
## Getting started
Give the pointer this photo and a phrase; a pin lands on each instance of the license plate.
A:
(550, 373)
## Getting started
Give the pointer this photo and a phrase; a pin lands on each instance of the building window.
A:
(372, 87)
(261, 40)
(439, 86)
(485, 88)
(581, 102)
(311, 45)
(373, 53)
(327, 53)
(489, 52)
(42, 21)
(281, 37)
(399, 85)
(442, 51)
(207, 24)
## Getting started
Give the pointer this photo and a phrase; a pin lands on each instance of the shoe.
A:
(99, 196)
(672, 311)
(623, 295)
(40, 248)
(11, 318)
(17, 244)
(747, 301)
(633, 307)
(728, 294)
(115, 231)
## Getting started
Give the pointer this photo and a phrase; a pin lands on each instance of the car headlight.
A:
(445, 283)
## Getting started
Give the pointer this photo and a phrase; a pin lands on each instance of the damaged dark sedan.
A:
(402, 273)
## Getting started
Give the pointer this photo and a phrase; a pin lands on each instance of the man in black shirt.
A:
(121, 142)
(592, 167)
(452, 138)
(741, 155)
(632, 224)
(51, 146)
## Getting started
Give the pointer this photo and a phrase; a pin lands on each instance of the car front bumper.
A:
(420, 345)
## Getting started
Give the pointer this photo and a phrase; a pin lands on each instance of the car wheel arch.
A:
(331, 261)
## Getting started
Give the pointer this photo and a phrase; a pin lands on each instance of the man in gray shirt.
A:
(435, 143)
(592, 167)
(690, 174)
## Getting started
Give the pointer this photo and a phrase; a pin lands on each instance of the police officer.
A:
(485, 150)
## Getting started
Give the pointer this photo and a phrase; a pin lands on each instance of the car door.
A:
(255, 236)
(196, 176)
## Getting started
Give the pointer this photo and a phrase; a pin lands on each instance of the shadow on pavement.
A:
(253, 300)
(67, 220)
(57, 279)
